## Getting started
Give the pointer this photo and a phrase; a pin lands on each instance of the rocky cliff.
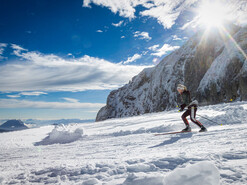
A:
(211, 64)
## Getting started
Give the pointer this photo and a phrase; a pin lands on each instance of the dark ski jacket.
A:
(186, 98)
(186, 101)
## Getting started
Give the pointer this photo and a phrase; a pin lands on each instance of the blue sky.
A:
(61, 58)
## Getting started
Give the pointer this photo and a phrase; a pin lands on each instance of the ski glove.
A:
(182, 107)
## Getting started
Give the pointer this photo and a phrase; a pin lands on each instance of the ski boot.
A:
(187, 129)
(203, 129)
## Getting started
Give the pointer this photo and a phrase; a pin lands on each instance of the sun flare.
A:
(212, 14)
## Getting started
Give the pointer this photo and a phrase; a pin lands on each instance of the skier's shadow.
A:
(174, 139)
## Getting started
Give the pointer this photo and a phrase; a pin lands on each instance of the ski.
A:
(167, 133)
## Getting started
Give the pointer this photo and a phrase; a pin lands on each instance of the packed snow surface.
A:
(125, 151)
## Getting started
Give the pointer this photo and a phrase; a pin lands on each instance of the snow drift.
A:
(61, 135)
(125, 151)
(203, 173)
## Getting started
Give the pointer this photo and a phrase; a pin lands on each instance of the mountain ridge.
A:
(195, 65)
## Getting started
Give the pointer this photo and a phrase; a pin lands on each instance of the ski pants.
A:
(192, 113)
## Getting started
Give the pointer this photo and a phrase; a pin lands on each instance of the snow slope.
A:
(125, 151)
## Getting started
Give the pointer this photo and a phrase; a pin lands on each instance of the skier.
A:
(191, 111)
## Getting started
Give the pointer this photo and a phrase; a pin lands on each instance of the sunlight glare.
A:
(212, 14)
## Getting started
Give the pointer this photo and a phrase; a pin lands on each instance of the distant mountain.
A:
(12, 125)
(60, 121)
(212, 65)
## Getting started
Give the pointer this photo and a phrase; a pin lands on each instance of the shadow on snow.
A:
(174, 139)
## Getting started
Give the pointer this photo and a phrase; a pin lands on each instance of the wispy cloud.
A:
(14, 96)
(154, 47)
(36, 93)
(99, 31)
(155, 61)
(164, 49)
(118, 24)
(131, 59)
(39, 72)
(166, 12)
(17, 50)
(14, 103)
(72, 100)
(142, 35)
(124, 8)
(175, 37)
(2, 48)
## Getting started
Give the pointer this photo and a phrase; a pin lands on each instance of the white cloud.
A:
(39, 72)
(122, 37)
(2, 48)
(118, 24)
(164, 49)
(36, 93)
(99, 31)
(124, 8)
(14, 103)
(166, 11)
(14, 96)
(154, 47)
(72, 100)
(155, 60)
(142, 35)
(175, 37)
(166, 17)
(131, 59)
(17, 49)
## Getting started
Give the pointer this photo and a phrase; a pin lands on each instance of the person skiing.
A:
(191, 111)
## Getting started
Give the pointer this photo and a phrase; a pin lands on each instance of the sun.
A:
(212, 14)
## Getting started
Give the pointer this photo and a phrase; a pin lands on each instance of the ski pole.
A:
(206, 118)
(209, 119)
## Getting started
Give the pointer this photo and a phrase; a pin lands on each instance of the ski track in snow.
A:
(125, 151)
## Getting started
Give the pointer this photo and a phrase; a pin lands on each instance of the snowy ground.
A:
(125, 151)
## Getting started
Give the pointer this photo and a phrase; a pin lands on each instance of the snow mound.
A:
(144, 179)
(62, 135)
(203, 173)
(229, 114)
(141, 167)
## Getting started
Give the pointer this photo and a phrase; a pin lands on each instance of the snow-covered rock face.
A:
(210, 65)
(227, 77)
